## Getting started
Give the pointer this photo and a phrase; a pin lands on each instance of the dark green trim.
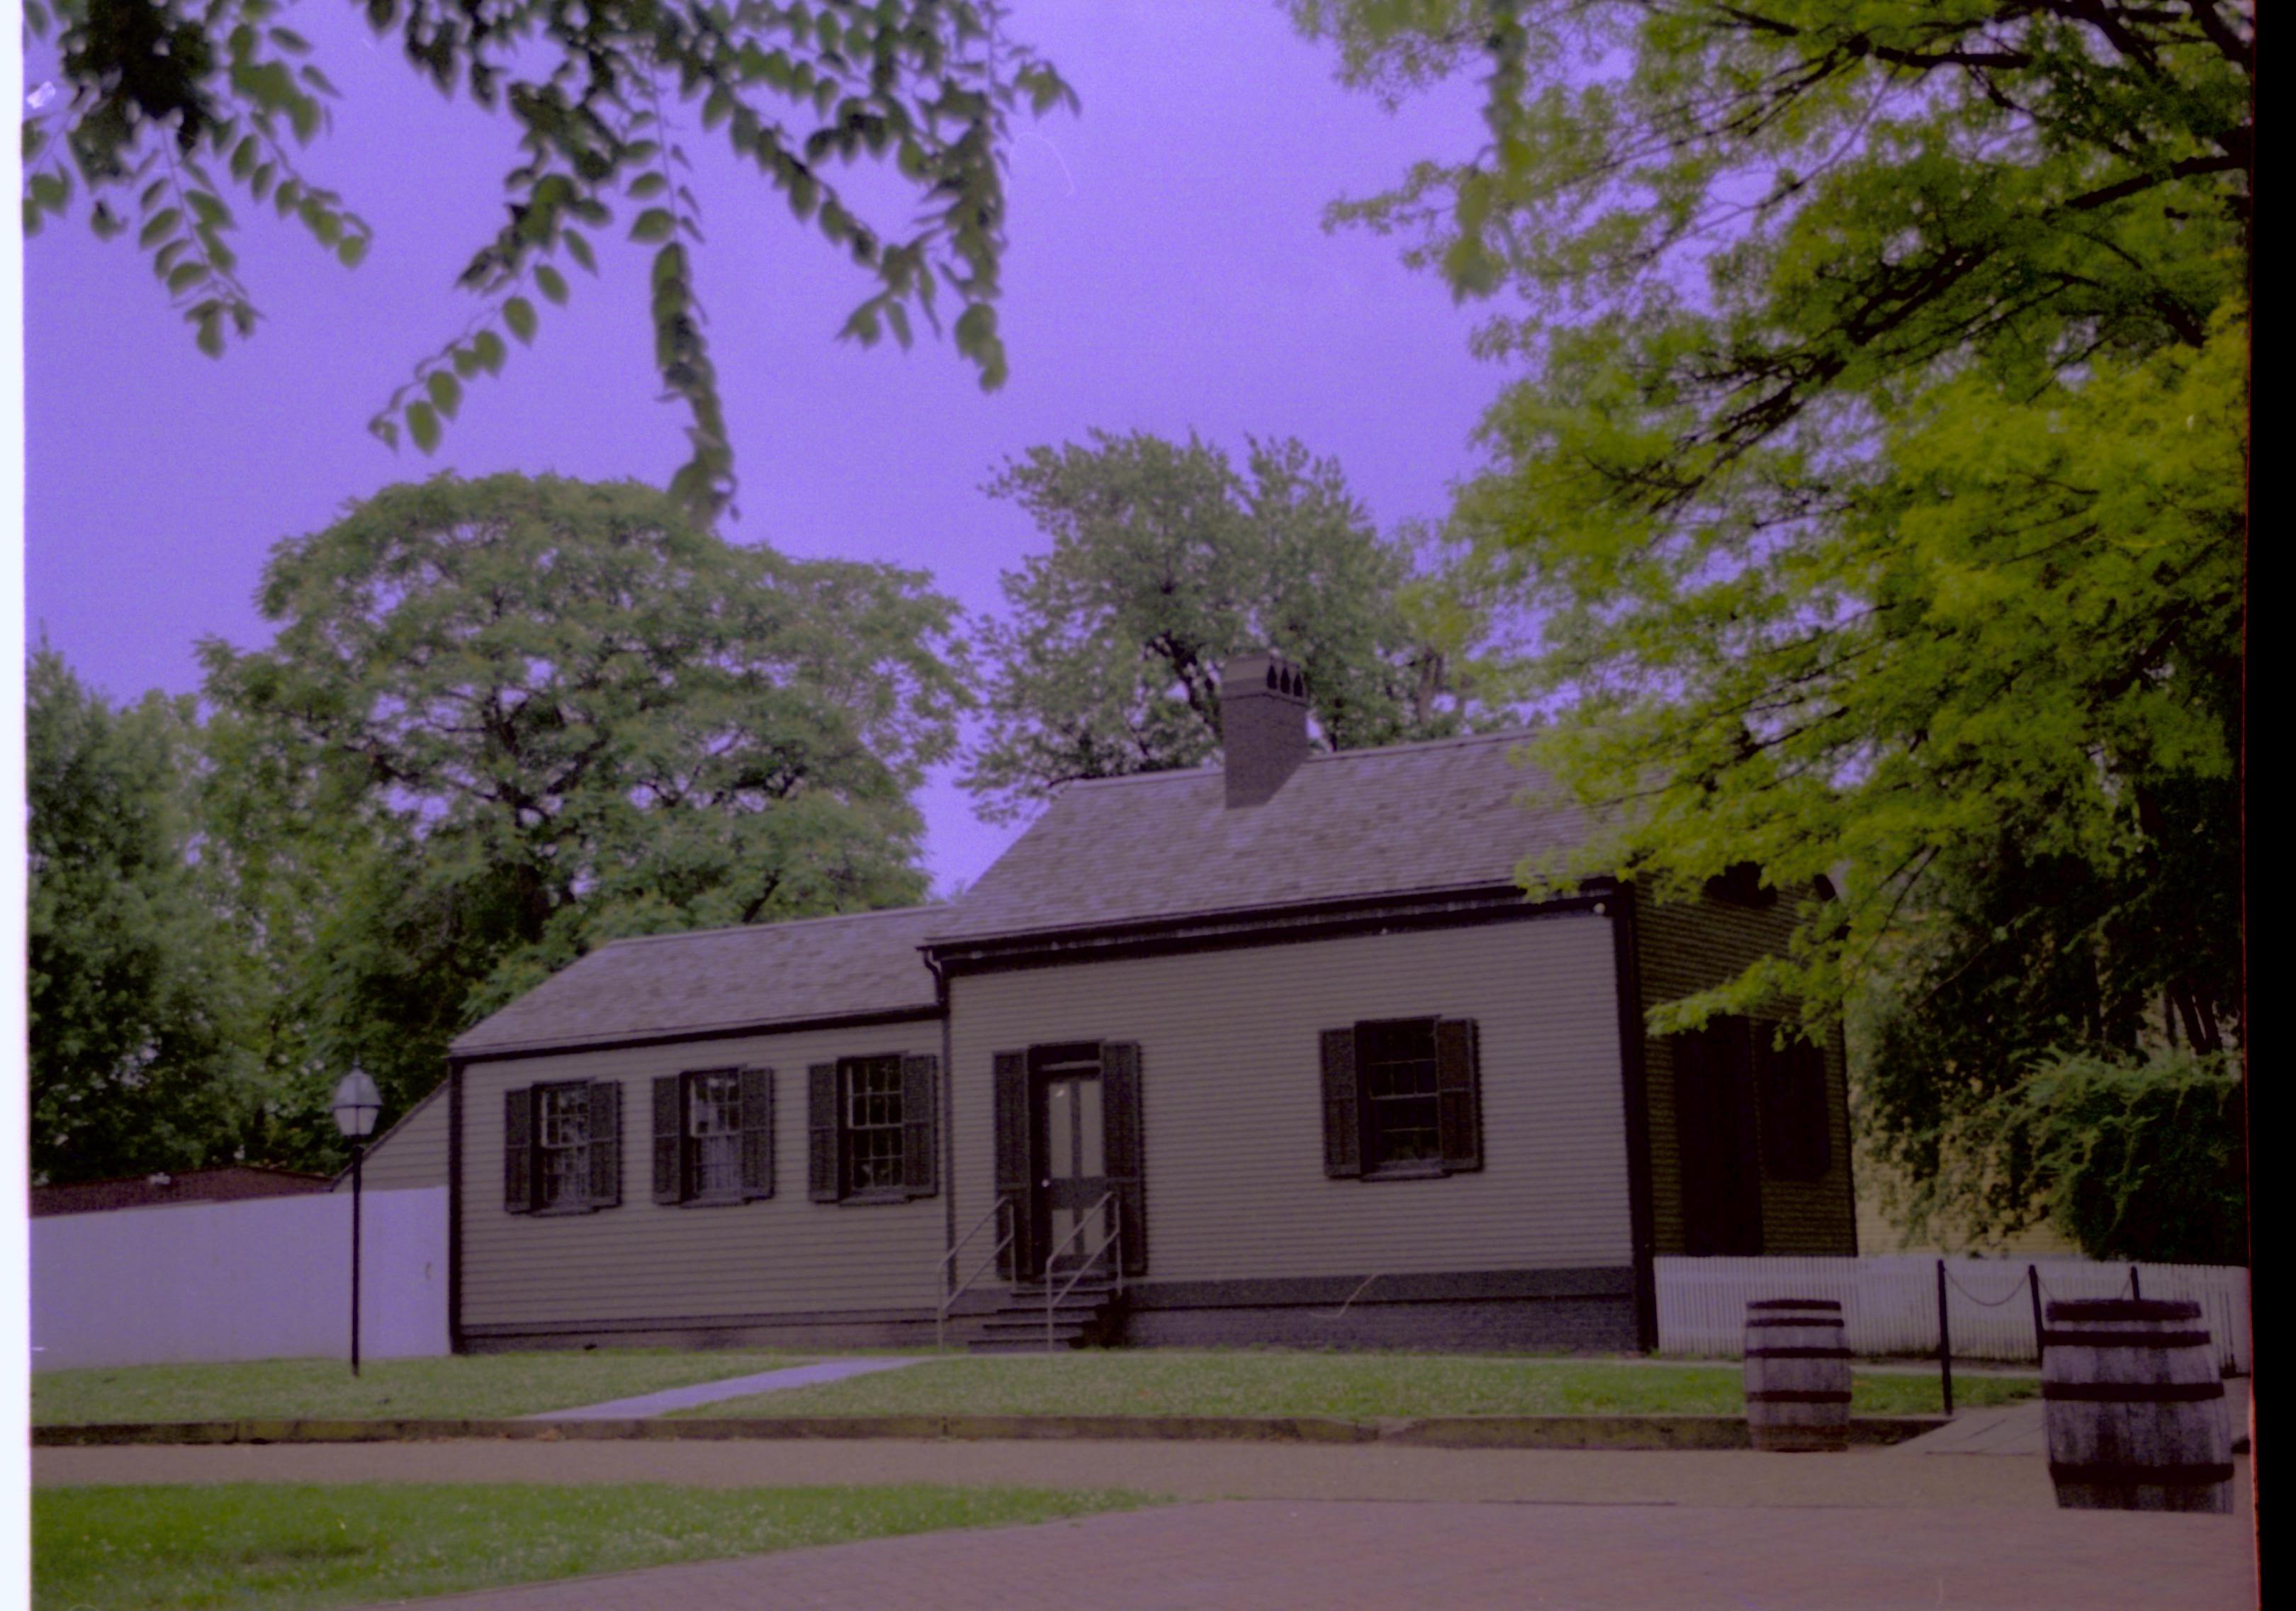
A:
(1634, 1078)
(454, 1205)
(1450, 1287)
(1274, 925)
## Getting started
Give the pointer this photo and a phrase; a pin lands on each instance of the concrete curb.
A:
(1649, 1431)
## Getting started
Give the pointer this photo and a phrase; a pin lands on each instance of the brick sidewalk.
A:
(1336, 1555)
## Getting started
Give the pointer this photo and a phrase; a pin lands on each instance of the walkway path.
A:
(2018, 1429)
(1277, 1554)
(733, 1387)
(1722, 1478)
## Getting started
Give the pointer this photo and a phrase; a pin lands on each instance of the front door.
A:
(1070, 1120)
(1715, 1129)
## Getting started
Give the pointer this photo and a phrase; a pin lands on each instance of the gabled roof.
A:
(1361, 824)
(722, 980)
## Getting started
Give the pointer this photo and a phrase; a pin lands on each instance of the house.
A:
(1283, 1043)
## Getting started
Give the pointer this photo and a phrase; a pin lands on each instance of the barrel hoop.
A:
(1794, 1395)
(2123, 1309)
(1830, 1322)
(2149, 1477)
(1833, 1303)
(2125, 1339)
(2132, 1393)
(1798, 1353)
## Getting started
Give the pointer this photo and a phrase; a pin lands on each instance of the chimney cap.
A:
(1263, 671)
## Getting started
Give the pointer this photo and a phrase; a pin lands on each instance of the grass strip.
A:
(474, 1386)
(282, 1547)
(1349, 1386)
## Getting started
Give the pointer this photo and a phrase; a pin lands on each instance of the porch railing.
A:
(1113, 1240)
(952, 1287)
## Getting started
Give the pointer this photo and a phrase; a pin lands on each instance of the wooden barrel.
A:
(1797, 1375)
(2135, 1407)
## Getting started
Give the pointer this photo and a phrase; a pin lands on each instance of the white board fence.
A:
(1889, 1302)
(262, 1279)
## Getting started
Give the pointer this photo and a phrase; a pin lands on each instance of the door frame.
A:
(1056, 1060)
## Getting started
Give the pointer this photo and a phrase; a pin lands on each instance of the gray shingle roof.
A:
(722, 979)
(1451, 815)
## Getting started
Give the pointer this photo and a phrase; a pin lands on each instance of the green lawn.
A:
(479, 1385)
(1351, 1385)
(286, 1548)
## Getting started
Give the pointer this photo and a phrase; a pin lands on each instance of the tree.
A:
(136, 996)
(1879, 472)
(504, 720)
(167, 108)
(1165, 562)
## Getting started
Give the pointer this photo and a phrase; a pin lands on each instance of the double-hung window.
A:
(1402, 1098)
(713, 1135)
(563, 1147)
(874, 1127)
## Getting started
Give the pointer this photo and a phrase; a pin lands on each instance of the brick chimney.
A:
(1263, 726)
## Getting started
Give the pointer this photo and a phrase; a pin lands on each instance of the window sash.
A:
(874, 1155)
(1401, 1101)
(561, 1174)
(713, 1132)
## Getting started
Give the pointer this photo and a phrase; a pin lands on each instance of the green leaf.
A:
(465, 360)
(352, 252)
(578, 247)
(518, 315)
(423, 425)
(488, 348)
(654, 224)
(210, 336)
(185, 276)
(647, 185)
(550, 283)
(243, 157)
(158, 227)
(445, 391)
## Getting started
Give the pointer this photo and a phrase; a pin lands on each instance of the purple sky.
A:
(1168, 272)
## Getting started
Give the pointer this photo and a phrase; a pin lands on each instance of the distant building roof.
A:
(226, 1183)
(722, 980)
(1451, 814)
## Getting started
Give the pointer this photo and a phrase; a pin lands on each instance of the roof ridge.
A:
(785, 923)
(1168, 775)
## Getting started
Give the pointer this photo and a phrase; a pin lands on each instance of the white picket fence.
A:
(1889, 1302)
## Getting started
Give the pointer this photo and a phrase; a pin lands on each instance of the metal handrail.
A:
(1115, 1238)
(950, 1293)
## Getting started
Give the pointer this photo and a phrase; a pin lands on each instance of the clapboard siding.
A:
(412, 1153)
(1232, 1108)
(1690, 946)
(645, 1260)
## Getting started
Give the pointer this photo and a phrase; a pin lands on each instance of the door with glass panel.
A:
(1070, 1122)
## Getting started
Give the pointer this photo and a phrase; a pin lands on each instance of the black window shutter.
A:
(1011, 1101)
(1342, 1116)
(669, 1138)
(920, 1125)
(757, 1132)
(605, 1109)
(518, 1150)
(1458, 1094)
(821, 1171)
(1119, 1081)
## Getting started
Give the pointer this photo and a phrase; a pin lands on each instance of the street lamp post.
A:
(356, 1104)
